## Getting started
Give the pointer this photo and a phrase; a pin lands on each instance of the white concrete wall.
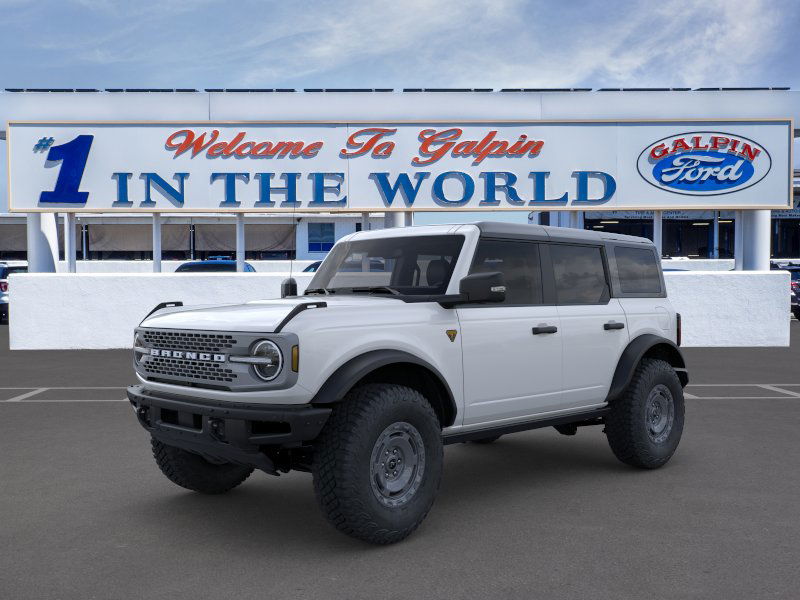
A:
(699, 264)
(342, 229)
(100, 310)
(52, 311)
(731, 308)
(169, 266)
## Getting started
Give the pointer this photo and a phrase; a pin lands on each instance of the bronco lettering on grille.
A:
(204, 356)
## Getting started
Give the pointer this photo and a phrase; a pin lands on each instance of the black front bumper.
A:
(227, 431)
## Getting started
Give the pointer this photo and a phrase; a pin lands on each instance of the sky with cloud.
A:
(403, 43)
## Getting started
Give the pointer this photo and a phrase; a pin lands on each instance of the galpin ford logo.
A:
(704, 163)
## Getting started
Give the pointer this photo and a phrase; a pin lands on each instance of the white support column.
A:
(399, 219)
(658, 231)
(364, 221)
(156, 243)
(738, 240)
(715, 236)
(69, 241)
(240, 242)
(42, 240)
(756, 242)
(84, 242)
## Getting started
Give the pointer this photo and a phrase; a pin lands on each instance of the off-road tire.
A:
(487, 440)
(344, 480)
(193, 472)
(627, 427)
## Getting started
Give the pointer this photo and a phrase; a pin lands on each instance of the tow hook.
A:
(217, 429)
(143, 414)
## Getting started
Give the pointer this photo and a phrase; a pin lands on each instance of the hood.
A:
(261, 316)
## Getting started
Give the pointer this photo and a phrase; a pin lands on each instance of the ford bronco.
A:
(407, 340)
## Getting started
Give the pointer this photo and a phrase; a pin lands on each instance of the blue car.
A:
(213, 265)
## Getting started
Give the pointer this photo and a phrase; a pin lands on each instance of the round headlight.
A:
(269, 368)
(138, 343)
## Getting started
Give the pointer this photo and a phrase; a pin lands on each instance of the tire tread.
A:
(336, 459)
(194, 473)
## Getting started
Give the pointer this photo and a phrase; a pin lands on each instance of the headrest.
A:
(437, 272)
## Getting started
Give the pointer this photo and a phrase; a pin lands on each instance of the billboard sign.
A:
(209, 167)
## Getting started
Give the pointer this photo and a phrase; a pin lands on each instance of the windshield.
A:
(419, 265)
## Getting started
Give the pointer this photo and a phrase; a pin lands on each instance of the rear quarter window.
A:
(579, 273)
(637, 270)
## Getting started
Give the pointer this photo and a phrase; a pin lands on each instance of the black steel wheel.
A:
(645, 425)
(378, 463)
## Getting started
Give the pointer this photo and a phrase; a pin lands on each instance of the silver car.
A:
(6, 269)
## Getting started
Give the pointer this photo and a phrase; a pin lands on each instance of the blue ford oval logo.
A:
(704, 163)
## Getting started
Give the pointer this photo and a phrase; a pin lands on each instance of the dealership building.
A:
(108, 191)
(127, 237)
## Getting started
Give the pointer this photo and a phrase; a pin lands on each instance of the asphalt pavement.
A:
(85, 513)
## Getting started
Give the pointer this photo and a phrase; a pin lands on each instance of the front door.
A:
(511, 351)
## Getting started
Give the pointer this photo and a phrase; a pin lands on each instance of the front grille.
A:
(191, 369)
(182, 340)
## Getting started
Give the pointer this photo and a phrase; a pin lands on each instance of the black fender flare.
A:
(633, 354)
(351, 372)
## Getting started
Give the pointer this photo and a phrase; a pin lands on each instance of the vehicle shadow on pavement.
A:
(264, 511)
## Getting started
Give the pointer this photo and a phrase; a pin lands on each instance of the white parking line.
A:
(43, 400)
(775, 388)
(117, 387)
(741, 397)
(31, 396)
(27, 395)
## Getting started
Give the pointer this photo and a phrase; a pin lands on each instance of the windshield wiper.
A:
(376, 289)
(323, 291)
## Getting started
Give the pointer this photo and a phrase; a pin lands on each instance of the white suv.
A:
(407, 340)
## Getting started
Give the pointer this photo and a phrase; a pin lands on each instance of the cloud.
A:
(403, 43)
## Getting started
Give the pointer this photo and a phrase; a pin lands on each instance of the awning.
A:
(258, 238)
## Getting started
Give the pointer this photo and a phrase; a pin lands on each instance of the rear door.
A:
(593, 325)
(511, 351)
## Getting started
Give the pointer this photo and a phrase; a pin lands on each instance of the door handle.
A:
(612, 325)
(544, 329)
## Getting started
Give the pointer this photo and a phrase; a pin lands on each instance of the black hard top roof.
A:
(555, 234)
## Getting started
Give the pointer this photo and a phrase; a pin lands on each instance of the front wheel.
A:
(378, 463)
(645, 425)
(193, 472)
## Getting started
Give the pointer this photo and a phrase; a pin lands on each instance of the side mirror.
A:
(483, 287)
(288, 287)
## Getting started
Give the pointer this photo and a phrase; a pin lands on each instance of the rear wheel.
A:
(193, 472)
(378, 463)
(645, 425)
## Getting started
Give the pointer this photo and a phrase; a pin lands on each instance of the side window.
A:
(519, 264)
(637, 270)
(579, 273)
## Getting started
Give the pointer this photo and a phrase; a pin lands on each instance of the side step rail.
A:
(593, 417)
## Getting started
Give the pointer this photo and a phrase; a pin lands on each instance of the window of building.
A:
(519, 264)
(321, 237)
(637, 270)
(579, 273)
(13, 241)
